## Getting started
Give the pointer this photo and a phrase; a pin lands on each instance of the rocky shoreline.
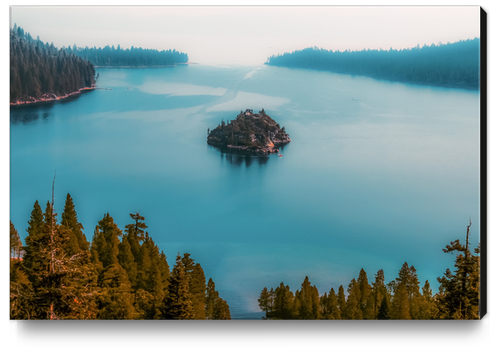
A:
(270, 149)
(50, 97)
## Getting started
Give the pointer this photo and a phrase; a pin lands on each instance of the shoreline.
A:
(53, 97)
(261, 150)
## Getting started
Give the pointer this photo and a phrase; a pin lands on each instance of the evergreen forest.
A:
(134, 57)
(448, 65)
(121, 274)
(403, 298)
(41, 71)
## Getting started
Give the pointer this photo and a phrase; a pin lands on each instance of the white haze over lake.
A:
(247, 35)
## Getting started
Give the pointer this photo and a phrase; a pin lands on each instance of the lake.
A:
(377, 174)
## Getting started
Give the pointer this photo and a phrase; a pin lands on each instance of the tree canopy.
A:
(132, 57)
(451, 65)
(40, 70)
(119, 275)
(400, 299)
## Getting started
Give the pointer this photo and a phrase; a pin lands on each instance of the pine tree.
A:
(342, 302)
(197, 286)
(283, 306)
(145, 305)
(322, 312)
(459, 292)
(164, 269)
(384, 310)
(403, 274)
(333, 311)
(136, 231)
(19, 283)
(15, 242)
(127, 261)
(216, 308)
(308, 298)
(98, 242)
(297, 304)
(155, 282)
(264, 302)
(222, 310)
(400, 308)
(63, 286)
(365, 292)
(414, 296)
(353, 305)
(21, 293)
(144, 264)
(211, 298)
(34, 262)
(35, 232)
(428, 308)
(378, 291)
(69, 219)
(106, 241)
(403, 287)
(178, 304)
(115, 301)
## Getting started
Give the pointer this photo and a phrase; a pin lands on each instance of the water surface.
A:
(377, 173)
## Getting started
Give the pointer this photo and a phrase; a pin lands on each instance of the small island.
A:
(252, 132)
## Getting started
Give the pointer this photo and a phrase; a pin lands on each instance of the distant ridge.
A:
(134, 57)
(454, 65)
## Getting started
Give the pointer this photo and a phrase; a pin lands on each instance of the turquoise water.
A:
(377, 173)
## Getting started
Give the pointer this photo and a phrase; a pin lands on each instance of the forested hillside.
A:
(40, 71)
(121, 274)
(134, 57)
(450, 65)
(402, 298)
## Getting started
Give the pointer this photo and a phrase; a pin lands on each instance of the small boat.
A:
(279, 155)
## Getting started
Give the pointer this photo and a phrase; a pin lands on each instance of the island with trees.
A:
(252, 132)
(454, 65)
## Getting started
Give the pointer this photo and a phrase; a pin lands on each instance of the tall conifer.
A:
(400, 308)
(106, 240)
(115, 301)
(378, 291)
(15, 242)
(127, 261)
(69, 219)
(264, 302)
(459, 292)
(333, 311)
(353, 304)
(341, 301)
(178, 304)
(365, 292)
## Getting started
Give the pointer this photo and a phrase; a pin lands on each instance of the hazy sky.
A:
(247, 35)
